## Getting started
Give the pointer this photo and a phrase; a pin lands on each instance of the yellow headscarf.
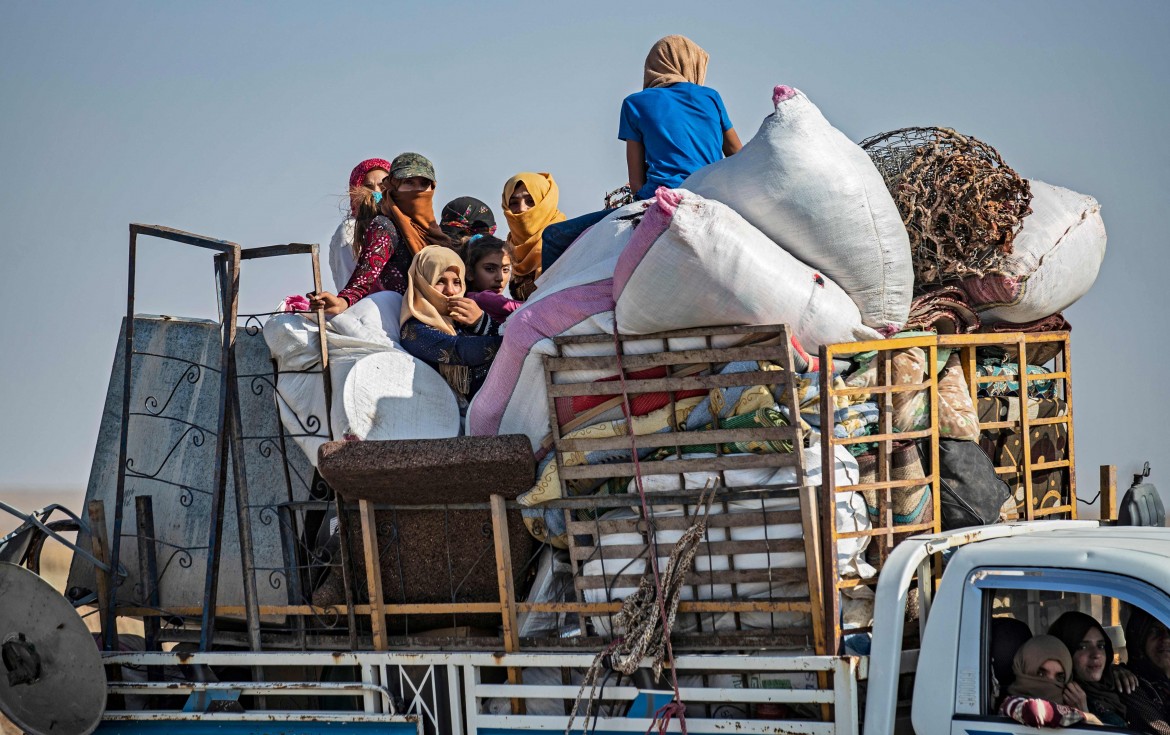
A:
(674, 59)
(422, 300)
(524, 230)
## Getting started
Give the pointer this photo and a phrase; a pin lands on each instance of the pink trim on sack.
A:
(889, 330)
(653, 224)
(546, 318)
(781, 93)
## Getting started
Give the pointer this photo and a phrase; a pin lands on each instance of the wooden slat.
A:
(373, 575)
(680, 438)
(698, 578)
(880, 389)
(885, 530)
(746, 519)
(884, 485)
(665, 385)
(883, 437)
(634, 363)
(706, 548)
(677, 466)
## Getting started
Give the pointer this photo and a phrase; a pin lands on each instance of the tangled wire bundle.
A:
(961, 204)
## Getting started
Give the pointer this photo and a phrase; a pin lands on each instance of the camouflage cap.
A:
(406, 165)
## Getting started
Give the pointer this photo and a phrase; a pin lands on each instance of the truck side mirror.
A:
(1141, 505)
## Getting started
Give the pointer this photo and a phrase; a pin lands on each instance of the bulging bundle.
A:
(961, 204)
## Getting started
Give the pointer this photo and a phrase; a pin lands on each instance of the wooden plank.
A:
(673, 467)
(374, 576)
(761, 331)
(745, 519)
(887, 531)
(699, 579)
(684, 439)
(634, 363)
(665, 385)
(1025, 430)
(503, 547)
(101, 551)
(778, 604)
(284, 610)
(827, 510)
(1066, 359)
(885, 436)
(1108, 493)
(885, 485)
(705, 548)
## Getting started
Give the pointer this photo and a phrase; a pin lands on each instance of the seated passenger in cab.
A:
(1042, 669)
(1007, 636)
(443, 328)
(1148, 644)
(391, 229)
(531, 203)
(672, 128)
(489, 269)
(1094, 686)
(464, 218)
(364, 180)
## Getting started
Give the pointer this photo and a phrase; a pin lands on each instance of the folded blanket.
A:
(944, 311)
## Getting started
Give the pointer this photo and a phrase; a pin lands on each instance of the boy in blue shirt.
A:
(672, 128)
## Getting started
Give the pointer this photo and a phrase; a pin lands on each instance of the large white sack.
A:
(850, 515)
(695, 262)
(819, 196)
(1055, 257)
(380, 404)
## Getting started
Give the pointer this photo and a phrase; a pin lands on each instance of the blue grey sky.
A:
(242, 121)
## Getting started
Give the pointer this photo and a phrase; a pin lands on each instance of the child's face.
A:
(1052, 669)
(492, 272)
(449, 283)
(520, 201)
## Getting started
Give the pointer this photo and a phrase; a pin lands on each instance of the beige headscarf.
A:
(1027, 663)
(675, 59)
(422, 300)
(524, 230)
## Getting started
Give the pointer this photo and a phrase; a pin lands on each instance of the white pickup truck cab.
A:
(1032, 571)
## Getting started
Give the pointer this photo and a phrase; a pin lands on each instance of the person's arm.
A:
(432, 345)
(377, 249)
(731, 144)
(636, 164)
(1144, 714)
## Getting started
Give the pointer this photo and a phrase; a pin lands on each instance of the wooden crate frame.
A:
(967, 344)
(884, 528)
(688, 369)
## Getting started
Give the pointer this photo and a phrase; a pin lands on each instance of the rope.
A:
(648, 615)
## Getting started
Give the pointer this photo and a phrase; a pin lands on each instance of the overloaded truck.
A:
(764, 453)
(417, 584)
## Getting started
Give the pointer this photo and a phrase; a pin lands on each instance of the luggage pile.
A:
(915, 233)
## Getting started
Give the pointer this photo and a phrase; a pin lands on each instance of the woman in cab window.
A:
(1148, 643)
(1094, 686)
(1043, 669)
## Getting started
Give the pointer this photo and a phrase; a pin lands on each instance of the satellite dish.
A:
(51, 676)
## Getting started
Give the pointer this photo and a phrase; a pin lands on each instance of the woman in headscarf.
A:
(1042, 669)
(531, 203)
(364, 180)
(1148, 642)
(1094, 687)
(391, 228)
(672, 128)
(444, 328)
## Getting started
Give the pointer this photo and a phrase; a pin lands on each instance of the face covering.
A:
(377, 197)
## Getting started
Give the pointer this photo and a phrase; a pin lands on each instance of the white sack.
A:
(817, 194)
(369, 327)
(1056, 254)
(695, 262)
(851, 516)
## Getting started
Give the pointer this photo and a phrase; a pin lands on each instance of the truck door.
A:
(1032, 597)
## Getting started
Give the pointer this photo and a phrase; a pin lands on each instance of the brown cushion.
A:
(466, 469)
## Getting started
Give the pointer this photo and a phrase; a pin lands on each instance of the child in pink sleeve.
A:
(489, 268)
